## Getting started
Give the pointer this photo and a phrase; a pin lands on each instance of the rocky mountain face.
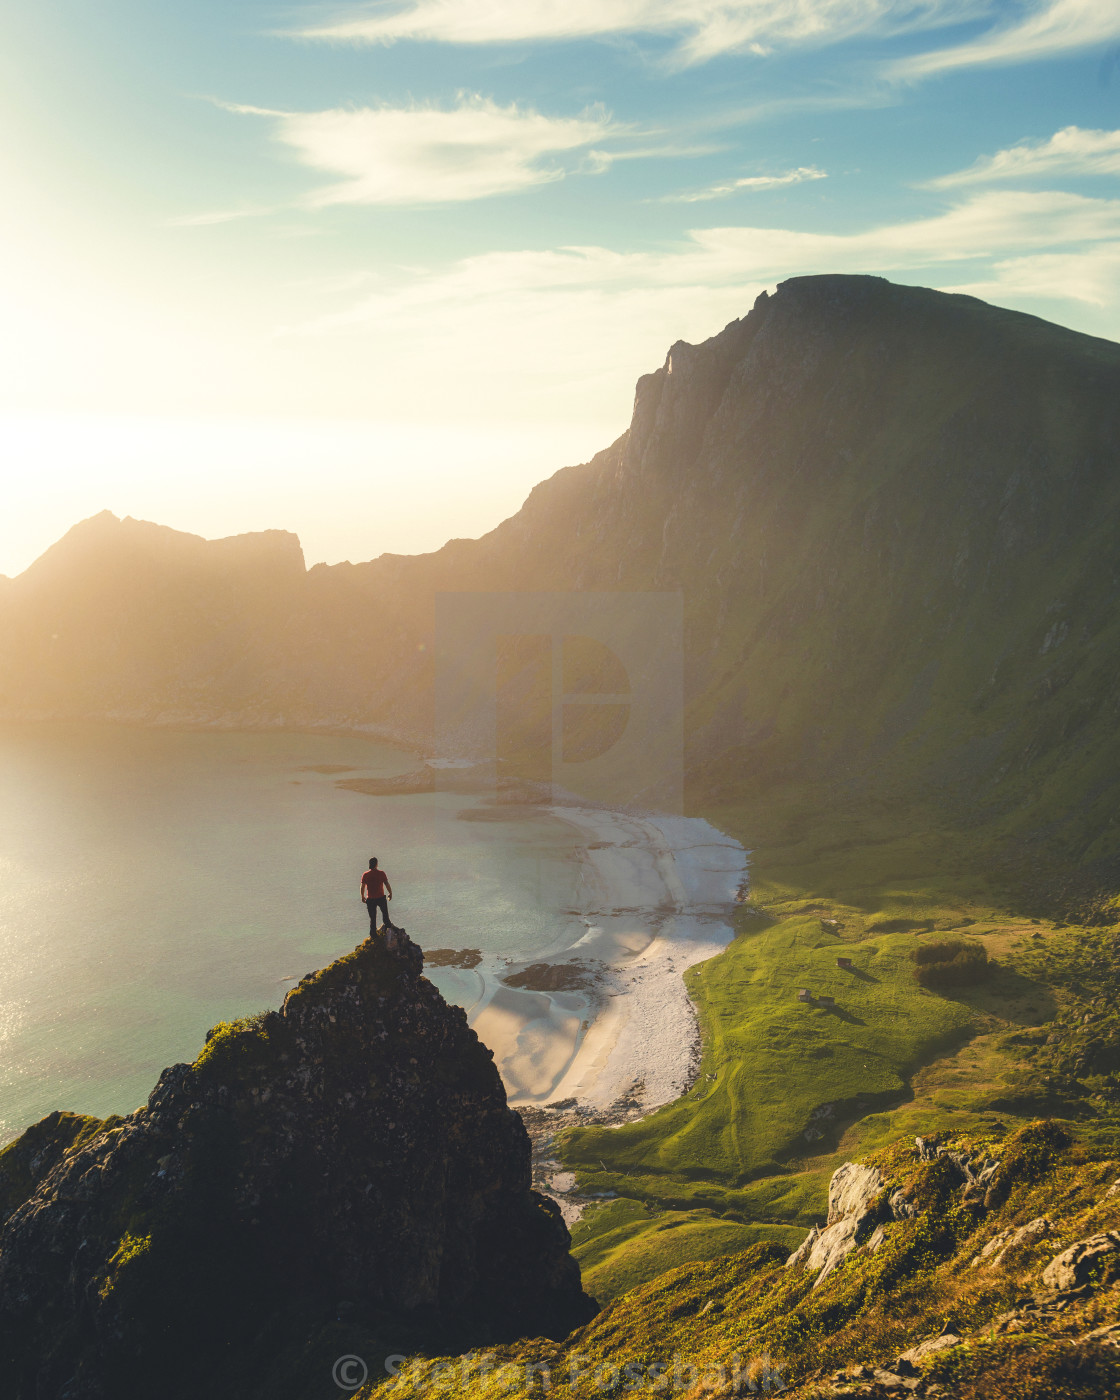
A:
(342, 1177)
(889, 512)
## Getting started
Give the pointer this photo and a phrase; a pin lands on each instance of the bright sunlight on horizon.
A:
(369, 272)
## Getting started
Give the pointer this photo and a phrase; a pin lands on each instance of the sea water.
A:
(154, 882)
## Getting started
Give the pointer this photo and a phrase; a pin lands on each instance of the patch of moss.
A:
(234, 1047)
(26, 1161)
(130, 1249)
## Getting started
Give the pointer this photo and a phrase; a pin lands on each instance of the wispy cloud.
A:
(595, 311)
(748, 182)
(221, 216)
(990, 225)
(704, 28)
(429, 155)
(1048, 29)
(1071, 151)
(1088, 275)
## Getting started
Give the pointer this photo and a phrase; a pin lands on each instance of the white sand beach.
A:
(655, 897)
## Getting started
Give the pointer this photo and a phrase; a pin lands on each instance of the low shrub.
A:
(235, 1044)
(951, 962)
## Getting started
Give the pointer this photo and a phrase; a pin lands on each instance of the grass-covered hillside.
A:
(787, 1091)
(949, 1287)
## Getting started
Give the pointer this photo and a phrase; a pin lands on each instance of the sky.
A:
(369, 272)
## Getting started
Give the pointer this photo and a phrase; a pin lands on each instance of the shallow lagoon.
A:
(153, 882)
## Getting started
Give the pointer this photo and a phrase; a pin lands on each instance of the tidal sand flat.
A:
(606, 1014)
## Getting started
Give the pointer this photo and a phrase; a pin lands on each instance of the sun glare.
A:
(218, 477)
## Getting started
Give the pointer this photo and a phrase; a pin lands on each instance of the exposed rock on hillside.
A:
(1096, 1259)
(341, 1176)
(852, 1215)
(904, 1317)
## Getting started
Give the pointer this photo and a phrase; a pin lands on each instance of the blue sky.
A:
(262, 262)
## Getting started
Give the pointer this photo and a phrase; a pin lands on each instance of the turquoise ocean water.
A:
(153, 882)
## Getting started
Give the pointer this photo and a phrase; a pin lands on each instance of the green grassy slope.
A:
(772, 1064)
(625, 1245)
(893, 1059)
(743, 1322)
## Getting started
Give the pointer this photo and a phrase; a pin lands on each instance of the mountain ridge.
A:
(886, 509)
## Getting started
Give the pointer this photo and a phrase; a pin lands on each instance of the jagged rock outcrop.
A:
(852, 1196)
(339, 1177)
(1003, 1245)
(863, 1209)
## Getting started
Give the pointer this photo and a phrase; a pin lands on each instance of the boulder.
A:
(1000, 1246)
(832, 1246)
(851, 1194)
(800, 1256)
(931, 1347)
(1109, 1333)
(1090, 1260)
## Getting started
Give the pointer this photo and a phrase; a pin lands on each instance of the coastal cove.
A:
(607, 1016)
(158, 881)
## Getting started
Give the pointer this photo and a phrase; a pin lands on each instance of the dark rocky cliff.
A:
(341, 1177)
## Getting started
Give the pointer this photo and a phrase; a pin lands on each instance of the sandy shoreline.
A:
(656, 895)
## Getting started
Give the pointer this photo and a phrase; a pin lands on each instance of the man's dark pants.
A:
(373, 905)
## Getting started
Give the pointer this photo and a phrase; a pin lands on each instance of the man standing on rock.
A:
(375, 887)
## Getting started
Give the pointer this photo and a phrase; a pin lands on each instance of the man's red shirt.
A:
(373, 884)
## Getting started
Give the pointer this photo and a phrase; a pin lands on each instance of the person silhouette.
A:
(375, 887)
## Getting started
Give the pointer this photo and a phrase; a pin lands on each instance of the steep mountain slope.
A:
(340, 1176)
(965, 1268)
(890, 514)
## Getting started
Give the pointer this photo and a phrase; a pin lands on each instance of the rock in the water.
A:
(343, 1176)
